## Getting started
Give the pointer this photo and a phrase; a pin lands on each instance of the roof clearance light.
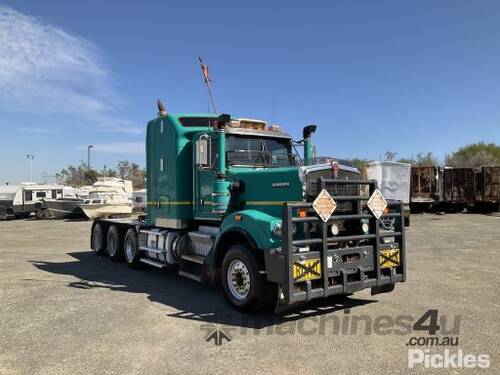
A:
(252, 124)
(274, 128)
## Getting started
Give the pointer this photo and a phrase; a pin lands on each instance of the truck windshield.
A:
(259, 152)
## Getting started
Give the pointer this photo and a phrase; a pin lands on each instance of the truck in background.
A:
(227, 201)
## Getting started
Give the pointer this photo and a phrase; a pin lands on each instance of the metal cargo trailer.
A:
(458, 186)
(426, 186)
(487, 186)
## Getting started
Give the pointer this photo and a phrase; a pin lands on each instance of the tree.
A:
(421, 160)
(78, 175)
(390, 156)
(108, 172)
(475, 155)
(132, 171)
(359, 163)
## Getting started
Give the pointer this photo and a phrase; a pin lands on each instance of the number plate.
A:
(389, 258)
(306, 270)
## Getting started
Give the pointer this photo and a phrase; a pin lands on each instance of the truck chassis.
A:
(332, 264)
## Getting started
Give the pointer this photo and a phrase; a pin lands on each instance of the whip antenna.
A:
(208, 81)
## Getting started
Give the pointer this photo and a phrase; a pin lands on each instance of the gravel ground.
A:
(63, 310)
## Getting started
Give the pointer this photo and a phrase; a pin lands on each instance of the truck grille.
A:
(336, 190)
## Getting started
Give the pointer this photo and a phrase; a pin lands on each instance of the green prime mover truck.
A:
(227, 200)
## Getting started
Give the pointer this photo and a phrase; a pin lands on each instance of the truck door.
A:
(204, 176)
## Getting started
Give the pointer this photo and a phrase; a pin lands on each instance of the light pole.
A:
(88, 155)
(30, 158)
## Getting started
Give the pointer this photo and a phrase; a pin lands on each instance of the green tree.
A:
(78, 175)
(359, 163)
(475, 155)
(421, 160)
(108, 172)
(132, 171)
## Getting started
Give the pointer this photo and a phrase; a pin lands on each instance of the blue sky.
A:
(405, 76)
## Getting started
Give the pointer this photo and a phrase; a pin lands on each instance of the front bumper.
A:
(337, 264)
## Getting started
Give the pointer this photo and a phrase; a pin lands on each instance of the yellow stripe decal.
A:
(172, 203)
(268, 203)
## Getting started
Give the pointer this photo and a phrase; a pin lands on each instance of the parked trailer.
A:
(458, 187)
(487, 187)
(20, 201)
(393, 179)
(225, 198)
(426, 187)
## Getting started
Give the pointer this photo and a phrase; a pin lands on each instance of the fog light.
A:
(277, 230)
(334, 230)
(365, 228)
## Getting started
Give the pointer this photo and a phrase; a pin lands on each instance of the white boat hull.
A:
(99, 210)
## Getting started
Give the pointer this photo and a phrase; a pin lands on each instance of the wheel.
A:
(39, 214)
(131, 249)
(98, 240)
(114, 244)
(245, 288)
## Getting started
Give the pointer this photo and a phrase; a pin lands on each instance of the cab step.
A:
(152, 263)
(191, 276)
(193, 258)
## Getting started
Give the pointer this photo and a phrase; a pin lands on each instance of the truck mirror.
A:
(203, 146)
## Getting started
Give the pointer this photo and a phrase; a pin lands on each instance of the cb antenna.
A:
(208, 82)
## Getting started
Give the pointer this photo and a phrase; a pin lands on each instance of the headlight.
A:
(277, 230)
(334, 230)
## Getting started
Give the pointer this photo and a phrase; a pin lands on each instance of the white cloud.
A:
(46, 70)
(117, 148)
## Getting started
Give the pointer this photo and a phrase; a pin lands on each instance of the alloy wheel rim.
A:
(238, 279)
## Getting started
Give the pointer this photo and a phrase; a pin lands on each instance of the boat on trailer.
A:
(109, 197)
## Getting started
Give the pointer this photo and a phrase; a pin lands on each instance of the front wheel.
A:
(245, 288)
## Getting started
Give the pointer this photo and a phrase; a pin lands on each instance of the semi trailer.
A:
(228, 202)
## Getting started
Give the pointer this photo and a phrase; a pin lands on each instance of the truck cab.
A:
(230, 200)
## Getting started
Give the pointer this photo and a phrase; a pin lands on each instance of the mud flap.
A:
(382, 289)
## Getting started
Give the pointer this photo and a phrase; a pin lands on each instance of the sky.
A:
(375, 76)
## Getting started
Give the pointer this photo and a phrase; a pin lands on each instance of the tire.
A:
(131, 250)
(114, 244)
(245, 288)
(39, 214)
(98, 240)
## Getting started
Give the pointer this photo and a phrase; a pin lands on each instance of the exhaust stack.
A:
(161, 108)
(220, 188)
(308, 147)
